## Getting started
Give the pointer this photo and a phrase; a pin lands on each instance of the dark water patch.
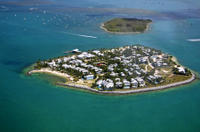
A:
(22, 68)
(16, 66)
(12, 62)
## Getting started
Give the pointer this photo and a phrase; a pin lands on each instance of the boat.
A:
(73, 51)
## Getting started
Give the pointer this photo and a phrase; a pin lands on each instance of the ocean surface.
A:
(29, 32)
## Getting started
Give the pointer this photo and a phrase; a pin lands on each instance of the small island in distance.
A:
(122, 70)
(126, 25)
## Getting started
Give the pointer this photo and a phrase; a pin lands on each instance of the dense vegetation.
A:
(127, 25)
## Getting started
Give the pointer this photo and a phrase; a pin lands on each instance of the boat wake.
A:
(86, 36)
(193, 40)
(81, 35)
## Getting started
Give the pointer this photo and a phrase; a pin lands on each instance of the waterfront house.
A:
(181, 70)
(99, 83)
(140, 81)
(52, 64)
(89, 77)
(134, 83)
(65, 59)
(118, 84)
(96, 51)
(126, 84)
(59, 61)
(155, 79)
(152, 79)
(109, 86)
(85, 55)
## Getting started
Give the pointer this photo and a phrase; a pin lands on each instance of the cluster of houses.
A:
(159, 60)
(109, 84)
(130, 57)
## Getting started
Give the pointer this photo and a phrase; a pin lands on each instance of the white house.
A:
(118, 84)
(117, 79)
(99, 83)
(126, 84)
(134, 83)
(113, 74)
(109, 85)
(89, 77)
(59, 61)
(122, 74)
(96, 51)
(52, 64)
(181, 70)
(85, 55)
(140, 81)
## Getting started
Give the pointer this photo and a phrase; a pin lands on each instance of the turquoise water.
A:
(32, 104)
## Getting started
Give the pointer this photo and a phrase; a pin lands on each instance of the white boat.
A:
(73, 51)
(193, 40)
(76, 51)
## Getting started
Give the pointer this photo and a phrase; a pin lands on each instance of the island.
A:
(121, 70)
(126, 25)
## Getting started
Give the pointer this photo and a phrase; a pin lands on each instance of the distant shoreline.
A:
(131, 91)
(147, 29)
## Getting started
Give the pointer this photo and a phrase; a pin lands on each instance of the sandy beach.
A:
(47, 70)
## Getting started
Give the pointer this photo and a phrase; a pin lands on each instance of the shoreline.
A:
(147, 29)
(140, 90)
(47, 70)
